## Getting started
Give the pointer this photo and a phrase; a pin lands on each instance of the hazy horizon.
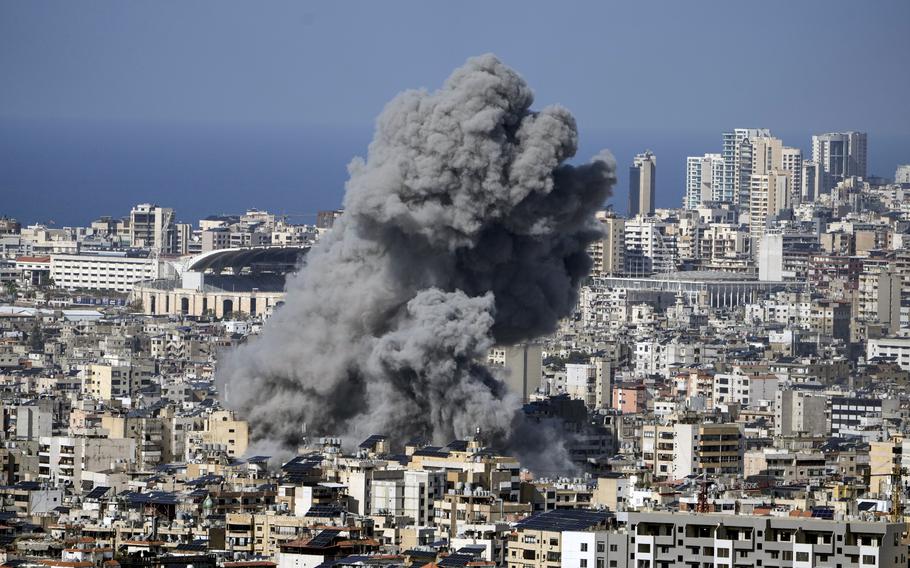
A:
(216, 107)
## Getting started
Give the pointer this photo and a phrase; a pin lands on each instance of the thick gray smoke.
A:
(462, 228)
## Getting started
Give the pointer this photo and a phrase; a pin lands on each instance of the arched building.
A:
(222, 283)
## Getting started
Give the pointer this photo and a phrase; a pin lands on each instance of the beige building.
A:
(223, 283)
(223, 429)
(658, 442)
(642, 176)
(608, 253)
(769, 194)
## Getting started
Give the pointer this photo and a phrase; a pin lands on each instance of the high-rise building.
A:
(608, 253)
(811, 181)
(839, 155)
(769, 194)
(792, 163)
(704, 179)
(902, 174)
(737, 156)
(153, 227)
(641, 184)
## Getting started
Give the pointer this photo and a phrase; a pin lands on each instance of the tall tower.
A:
(641, 184)
(737, 155)
(839, 155)
(704, 179)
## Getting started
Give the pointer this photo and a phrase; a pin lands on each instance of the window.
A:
(802, 556)
(584, 547)
(583, 563)
(868, 559)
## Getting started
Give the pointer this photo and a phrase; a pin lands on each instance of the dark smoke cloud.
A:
(462, 228)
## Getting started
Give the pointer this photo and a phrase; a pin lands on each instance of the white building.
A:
(650, 247)
(737, 156)
(62, 460)
(704, 179)
(110, 272)
(594, 549)
(896, 348)
(902, 174)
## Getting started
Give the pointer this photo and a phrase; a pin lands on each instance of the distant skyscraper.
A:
(839, 155)
(792, 163)
(902, 175)
(769, 194)
(811, 181)
(737, 155)
(704, 179)
(641, 184)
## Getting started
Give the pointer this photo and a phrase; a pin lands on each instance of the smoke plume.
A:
(462, 229)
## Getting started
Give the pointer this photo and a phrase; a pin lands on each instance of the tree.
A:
(36, 337)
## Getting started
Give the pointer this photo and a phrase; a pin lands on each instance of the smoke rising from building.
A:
(462, 228)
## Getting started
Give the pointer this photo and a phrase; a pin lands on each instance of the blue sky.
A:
(262, 103)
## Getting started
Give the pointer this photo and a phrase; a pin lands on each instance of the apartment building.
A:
(896, 349)
(63, 460)
(713, 449)
(658, 444)
(698, 540)
(538, 540)
(798, 412)
(849, 411)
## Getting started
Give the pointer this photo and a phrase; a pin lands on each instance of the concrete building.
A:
(62, 460)
(115, 272)
(704, 180)
(538, 540)
(712, 449)
(609, 252)
(839, 155)
(902, 174)
(848, 412)
(798, 412)
(879, 297)
(737, 156)
(524, 367)
(642, 184)
(658, 444)
(590, 382)
(812, 181)
(35, 419)
(769, 194)
(896, 349)
(154, 228)
(792, 163)
(651, 247)
(693, 540)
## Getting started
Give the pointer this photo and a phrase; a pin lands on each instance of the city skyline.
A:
(149, 104)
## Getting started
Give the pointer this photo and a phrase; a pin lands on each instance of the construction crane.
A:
(702, 505)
